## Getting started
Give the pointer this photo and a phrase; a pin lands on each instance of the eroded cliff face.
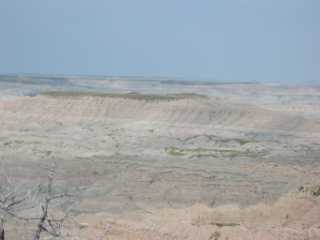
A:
(168, 109)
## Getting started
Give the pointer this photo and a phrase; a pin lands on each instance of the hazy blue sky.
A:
(246, 40)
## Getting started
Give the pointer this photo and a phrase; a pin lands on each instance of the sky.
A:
(239, 40)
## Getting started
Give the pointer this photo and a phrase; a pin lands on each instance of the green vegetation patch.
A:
(175, 151)
(131, 95)
(205, 152)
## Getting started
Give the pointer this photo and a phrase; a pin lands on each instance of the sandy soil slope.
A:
(174, 166)
(291, 217)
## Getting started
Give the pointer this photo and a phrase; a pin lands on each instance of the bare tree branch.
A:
(14, 198)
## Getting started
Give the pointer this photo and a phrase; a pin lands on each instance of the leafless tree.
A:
(1, 230)
(14, 198)
(48, 224)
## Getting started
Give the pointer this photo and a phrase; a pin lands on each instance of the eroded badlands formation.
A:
(217, 162)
